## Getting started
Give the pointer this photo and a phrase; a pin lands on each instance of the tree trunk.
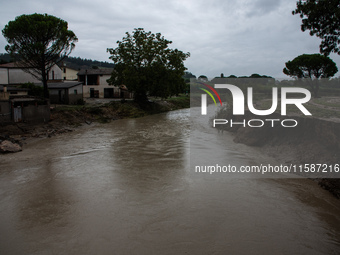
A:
(316, 95)
(141, 97)
(44, 81)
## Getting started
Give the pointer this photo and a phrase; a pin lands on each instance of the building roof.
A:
(9, 89)
(63, 85)
(19, 65)
(99, 71)
(13, 65)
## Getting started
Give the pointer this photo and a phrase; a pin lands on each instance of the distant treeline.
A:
(72, 62)
(79, 63)
(5, 58)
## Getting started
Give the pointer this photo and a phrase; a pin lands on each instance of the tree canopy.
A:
(39, 41)
(312, 66)
(203, 77)
(146, 65)
(322, 18)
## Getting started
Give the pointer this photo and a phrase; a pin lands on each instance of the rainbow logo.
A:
(204, 97)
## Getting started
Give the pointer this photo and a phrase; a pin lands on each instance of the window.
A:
(75, 92)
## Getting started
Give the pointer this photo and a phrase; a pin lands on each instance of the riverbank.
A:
(66, 118)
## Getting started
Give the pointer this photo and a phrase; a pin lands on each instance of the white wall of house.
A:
(69, 74)
(103, 78)
(18, 76)
(78, 88)
(102, 84)
(100, 88)
(3, 76)
(55, 73)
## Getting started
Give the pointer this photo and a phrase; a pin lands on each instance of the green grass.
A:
(182, 101)
(127, 109)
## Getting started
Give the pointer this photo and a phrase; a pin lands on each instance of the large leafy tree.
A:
(146, 65)
(39, 41)
(313, 67)
(322, 18)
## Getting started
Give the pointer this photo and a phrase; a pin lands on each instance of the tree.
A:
(322, 18)
(39, 41)
(312, 66)
(146, 65)
(203, 78)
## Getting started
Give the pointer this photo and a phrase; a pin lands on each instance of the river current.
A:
(127, 188)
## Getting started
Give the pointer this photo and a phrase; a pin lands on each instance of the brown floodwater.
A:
(127, 188)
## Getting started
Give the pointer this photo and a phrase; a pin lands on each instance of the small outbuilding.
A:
(65, 92)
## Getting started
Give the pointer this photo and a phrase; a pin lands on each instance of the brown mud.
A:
(67, 118)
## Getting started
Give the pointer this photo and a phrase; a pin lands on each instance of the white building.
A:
(95, 84)
(14, 74)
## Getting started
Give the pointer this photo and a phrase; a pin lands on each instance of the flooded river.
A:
(127, 188)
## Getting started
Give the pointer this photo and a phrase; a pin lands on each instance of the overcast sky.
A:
(239, 37)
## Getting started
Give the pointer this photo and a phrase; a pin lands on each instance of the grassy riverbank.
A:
(105, 112)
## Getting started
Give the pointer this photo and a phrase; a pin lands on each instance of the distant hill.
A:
(83, 63)
(72, 62)
(5, 58)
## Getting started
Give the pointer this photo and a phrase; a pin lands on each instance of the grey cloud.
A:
(238, 37)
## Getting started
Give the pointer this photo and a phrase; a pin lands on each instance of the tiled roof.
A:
(12, 88)
(63, 85)
(13, 65)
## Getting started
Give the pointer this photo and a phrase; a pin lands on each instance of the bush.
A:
(80, 102)
(37, 91)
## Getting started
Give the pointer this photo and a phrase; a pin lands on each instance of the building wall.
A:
(73, 97)
(18, 76)
(79, 89)
(69, 74)
(18, 93)
(55, 73)
(36, 114)
(3, 76)
(58, 96)
(5, 112)
(100, 88)
(4, 95)
(66, 96)
(103, 78)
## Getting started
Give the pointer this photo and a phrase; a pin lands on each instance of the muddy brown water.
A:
(127, 188)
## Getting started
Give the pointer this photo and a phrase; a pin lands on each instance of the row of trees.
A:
(321, 18)
(76, 63)
(146, 65)
(144, 62)
(39, 41)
